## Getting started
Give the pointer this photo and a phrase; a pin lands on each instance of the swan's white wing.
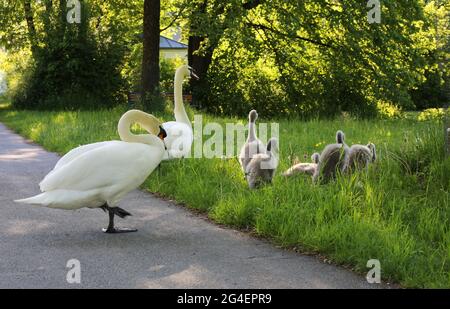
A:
(71, 155)
(169, 124)
(113, 164)
(177, 129)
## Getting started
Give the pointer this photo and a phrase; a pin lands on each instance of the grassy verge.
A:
(398, 213)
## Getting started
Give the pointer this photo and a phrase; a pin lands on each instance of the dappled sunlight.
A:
(151, 213)
(192, 276)
(431, 114)
(61, 118)
(36, 130)
(25, 227)
(21, 154)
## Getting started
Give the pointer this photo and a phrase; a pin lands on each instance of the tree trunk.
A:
(150, 57)
(201, 64)
(30, 24)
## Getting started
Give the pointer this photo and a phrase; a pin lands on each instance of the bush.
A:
(14, 65)
(74, 69)
(388, 110)
(431, 114)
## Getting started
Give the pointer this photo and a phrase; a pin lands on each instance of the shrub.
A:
(73, 69)
(388, 110)
(431, 114)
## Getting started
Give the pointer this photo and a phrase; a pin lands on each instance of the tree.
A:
(305, 57)
(434, 91)
(300, 57)
(73, 65)
(205, 32)
(150, 56)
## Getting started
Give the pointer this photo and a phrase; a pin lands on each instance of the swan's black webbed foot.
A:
(113, 211)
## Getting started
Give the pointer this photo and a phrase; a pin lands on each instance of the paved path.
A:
(173, 248)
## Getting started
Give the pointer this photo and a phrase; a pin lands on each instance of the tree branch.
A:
(180, 12)
(263, 27)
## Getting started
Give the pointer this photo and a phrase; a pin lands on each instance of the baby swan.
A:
(333, 159)
(360, 156)
(261, 168)
(253, 145)
(304, 168)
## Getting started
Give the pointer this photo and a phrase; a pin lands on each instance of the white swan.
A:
(179, 132)
(98, 175)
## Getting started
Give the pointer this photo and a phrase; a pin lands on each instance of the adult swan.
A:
(179, 132)
(98, 175)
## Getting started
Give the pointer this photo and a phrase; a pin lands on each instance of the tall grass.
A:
(397, 213)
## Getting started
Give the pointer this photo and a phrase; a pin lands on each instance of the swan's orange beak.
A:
(162, 133)
(192, 74)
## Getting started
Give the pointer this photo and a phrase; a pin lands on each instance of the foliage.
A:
(14, 65)
(132, 70)
(322, 57)
(72, 66)
(293, 58)
(388, 111)
(431, 114)
(432, 91)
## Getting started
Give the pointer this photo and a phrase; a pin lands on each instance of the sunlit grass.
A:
(398, 212)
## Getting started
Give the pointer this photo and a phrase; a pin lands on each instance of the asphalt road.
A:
(172, 249)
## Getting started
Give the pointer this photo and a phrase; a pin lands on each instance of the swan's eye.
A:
(162, 133)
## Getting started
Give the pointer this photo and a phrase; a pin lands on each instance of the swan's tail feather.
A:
(340, 137)
(39, 199)
(64, 199)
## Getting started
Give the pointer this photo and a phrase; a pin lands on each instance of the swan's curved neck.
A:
(147, 122)
(180, 112)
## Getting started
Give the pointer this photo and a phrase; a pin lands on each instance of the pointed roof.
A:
(166, 43)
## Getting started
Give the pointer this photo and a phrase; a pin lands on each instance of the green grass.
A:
(398, 212)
